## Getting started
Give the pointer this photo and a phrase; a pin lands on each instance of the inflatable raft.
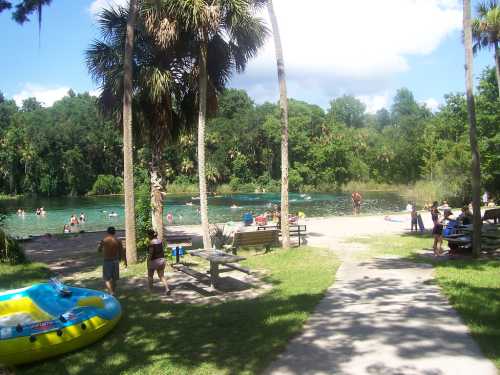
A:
(45, 320)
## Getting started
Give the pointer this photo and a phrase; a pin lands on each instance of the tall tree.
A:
(471, 112)
(486, 31)
(157, 121)
(128, 163)
(225, 35)
(24, 8)
(285, 231)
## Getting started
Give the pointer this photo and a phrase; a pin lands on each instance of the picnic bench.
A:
(492, 214)
(296, 230)
(462, 238)
(266, 238)
(217, 258)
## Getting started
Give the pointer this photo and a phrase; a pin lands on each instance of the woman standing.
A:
(156, 261)
(437, 230)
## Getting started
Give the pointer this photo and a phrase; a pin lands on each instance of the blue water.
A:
(97, 209)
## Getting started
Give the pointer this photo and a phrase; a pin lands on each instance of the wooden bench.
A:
(492, 214)
(296, 230)
(267, 238)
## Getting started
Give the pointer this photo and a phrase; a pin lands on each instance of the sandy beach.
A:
(67, 254)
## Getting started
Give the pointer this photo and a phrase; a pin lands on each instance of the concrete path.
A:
(384, 316)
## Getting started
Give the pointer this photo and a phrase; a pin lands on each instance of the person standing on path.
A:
(112, 250)
(156, 261)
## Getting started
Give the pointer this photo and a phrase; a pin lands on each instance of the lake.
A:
(184, 209)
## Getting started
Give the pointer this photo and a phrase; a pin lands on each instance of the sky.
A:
(364, 48)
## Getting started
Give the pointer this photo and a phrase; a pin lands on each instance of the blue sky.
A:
(332, 47)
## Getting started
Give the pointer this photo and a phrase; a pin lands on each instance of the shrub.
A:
(142, 215)
(107, 184)
(11, 250)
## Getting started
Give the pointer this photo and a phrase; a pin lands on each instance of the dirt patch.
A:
(75, 261)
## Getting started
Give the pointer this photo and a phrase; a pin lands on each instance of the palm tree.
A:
(153, 86)
(226, 34)
(476, 173)
(128, 163)
(285, 231)
(24, 8)
(486, 31)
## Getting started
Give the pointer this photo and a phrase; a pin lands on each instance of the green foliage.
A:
(64, 149)
(347, 110)
(107, 184)
(58, 150)
(143, 221)
(11, 250)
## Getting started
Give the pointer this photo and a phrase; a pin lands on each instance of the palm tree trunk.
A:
(497, 66)
(156, 193)
(471, 112)
(201, 142)
(285, 230)
(128, 167)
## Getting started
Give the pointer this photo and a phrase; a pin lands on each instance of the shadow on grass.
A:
(234, 337)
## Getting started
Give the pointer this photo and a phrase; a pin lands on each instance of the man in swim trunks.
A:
(112, 250)
(356, 202)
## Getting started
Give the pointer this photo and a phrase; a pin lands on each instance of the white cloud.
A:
(46, 96)
(375, 102)
(98, 5)
(432, 104)
(95, 92)
(333, 47)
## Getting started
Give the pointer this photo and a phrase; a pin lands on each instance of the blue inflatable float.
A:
(45, 320)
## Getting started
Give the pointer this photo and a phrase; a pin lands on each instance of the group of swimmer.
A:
(38, 212)
(74, 221)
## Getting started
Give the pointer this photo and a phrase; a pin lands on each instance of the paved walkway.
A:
(384, 316)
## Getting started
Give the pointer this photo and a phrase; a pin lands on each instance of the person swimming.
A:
(234, 206)
(113, 214)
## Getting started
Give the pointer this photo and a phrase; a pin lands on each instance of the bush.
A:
(10, 250)
(142, 215)
(107, 184)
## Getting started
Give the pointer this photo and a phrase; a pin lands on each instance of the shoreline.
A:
(30, 237)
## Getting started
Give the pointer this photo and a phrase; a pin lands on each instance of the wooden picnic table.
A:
(216, 258)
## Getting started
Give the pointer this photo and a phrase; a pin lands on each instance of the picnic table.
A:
(216, 258)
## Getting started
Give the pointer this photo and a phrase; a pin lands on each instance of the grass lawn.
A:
(238, 337)
(472, 286)
(12, 277)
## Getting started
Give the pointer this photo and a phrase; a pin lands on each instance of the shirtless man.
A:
(356, 202)
(112, 250)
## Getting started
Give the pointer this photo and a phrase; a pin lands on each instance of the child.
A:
(414, 216)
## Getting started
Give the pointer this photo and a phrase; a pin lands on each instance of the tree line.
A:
(67, 148)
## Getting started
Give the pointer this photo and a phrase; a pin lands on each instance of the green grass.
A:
(472, 286)
(8, 197)
(238, 337)
(18, 276)
(407, 246)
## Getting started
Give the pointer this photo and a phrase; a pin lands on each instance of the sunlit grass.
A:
(238, 337)
(12, 277)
